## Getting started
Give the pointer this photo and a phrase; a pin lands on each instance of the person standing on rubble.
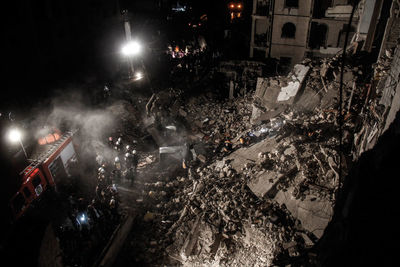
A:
(117, 169)
(131, 161)
(134, 163)
(111, 142)
(119, 145)
(227, 146)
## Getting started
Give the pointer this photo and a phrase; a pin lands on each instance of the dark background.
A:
(49, 43)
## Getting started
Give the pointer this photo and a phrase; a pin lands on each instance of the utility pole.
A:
(128, 36)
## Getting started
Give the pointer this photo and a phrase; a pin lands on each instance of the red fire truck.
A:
(51, 164)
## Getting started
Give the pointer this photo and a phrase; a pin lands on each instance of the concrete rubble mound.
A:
(265, 170)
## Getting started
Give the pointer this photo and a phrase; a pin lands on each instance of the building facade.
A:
(289, 30)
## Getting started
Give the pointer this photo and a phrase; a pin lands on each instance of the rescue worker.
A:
(134, 144)
(227, 146)
(113, 206)
(111, 142)
(130, 175)
(106, 93)
(135, 160)
(101, 170)
(131, 165)
(93, 213)
(117, 169)
(132, 162)
(244, 141)
(118, 144)
(98, 192)
(100, 159)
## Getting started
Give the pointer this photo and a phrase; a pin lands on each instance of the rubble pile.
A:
(381, 102)
(243, 73)
(213, 121)
(241, 228)
(303, 165)
(324, 81)
(273, 193)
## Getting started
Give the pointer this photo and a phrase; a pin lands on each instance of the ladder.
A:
(43, 156)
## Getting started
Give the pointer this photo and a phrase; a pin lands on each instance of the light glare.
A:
(138, 75)
(132, 48)
(14, 135)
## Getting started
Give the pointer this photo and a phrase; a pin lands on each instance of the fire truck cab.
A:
(50, 166)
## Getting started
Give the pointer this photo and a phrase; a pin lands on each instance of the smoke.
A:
(73, 108)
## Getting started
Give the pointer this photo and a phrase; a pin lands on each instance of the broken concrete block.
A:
(289, 92)
(182, 113)
(202, 158)
(149, 216)
(324, 69)
(314, 214)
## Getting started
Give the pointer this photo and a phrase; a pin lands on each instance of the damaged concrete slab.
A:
(313, 212)
(297, 77)
(250, 154)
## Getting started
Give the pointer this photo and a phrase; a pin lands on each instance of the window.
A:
(27, 192)
(292, 3)
(288, 30)
(317, 35)
(36, 181)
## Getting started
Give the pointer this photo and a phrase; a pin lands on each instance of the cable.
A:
(355, 3)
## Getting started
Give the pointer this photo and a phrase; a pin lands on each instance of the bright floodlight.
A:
(14, 135)
(138, 75)
(131, 48)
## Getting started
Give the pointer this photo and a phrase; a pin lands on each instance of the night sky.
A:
(49, 43)
(53, 47)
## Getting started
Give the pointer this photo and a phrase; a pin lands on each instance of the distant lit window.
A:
(288, 30)
(292, 3)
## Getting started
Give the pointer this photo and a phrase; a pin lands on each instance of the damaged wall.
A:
(383, 103)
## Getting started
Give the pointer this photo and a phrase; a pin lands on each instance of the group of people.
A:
(89, 224)
(125, 162)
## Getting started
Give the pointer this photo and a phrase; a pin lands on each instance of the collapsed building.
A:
(266, 164)
(271, 193)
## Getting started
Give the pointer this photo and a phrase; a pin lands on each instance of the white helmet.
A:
(127, 155)
(101, 170)
(116, 159)
(127, 147)
(134, 151)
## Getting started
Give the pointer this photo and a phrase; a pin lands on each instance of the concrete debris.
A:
(290, 91)
(264, 170)
(280, 178)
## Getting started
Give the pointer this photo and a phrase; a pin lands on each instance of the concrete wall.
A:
(301, 24)
(303, 10)
(339, 2)
(290, 47)
(296, 53)
(261, 26)
(295, 47)
(334, 28)
(380, 120)
(391, 91)
(300, 17)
